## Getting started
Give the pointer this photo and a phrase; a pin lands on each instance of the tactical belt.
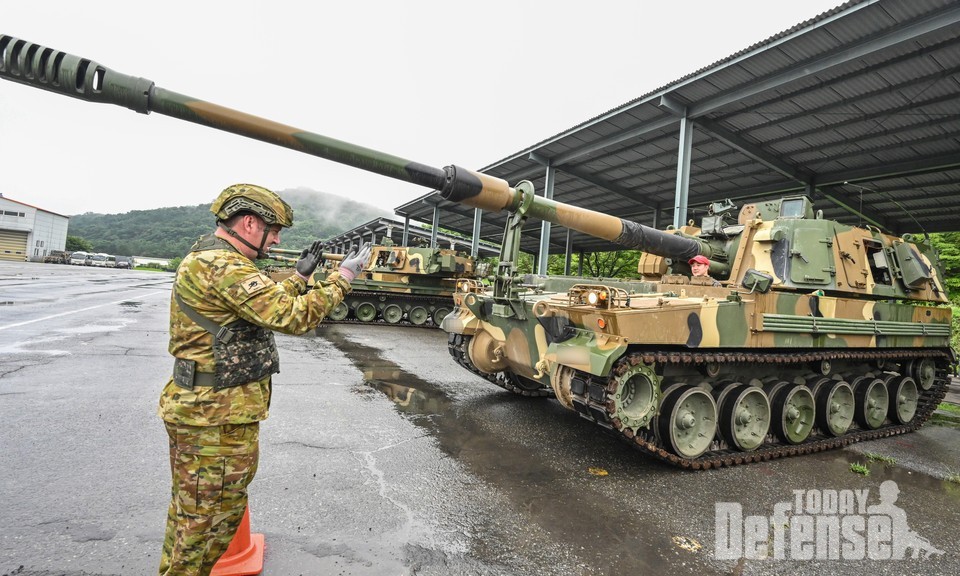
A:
(204, 378)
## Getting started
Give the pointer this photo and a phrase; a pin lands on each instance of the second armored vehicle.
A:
(400, 284)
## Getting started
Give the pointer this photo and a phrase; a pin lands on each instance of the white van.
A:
(78, 258)
(99, 260)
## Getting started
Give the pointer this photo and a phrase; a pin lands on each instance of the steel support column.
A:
(543, 258)
(436, 226)
(567, 255)
(475, 245)
(405, 239)
(683, 172)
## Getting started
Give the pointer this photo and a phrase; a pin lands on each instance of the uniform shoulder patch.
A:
(254, 283)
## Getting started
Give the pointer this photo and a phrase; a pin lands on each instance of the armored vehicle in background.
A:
(288, 258)
(820, 335)
(57, 257)
(399, 285)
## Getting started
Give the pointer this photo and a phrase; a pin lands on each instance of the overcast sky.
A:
(437, 82)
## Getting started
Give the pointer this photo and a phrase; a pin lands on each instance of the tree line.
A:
(170, 232)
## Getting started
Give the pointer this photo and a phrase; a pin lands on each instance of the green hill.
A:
(169, 232)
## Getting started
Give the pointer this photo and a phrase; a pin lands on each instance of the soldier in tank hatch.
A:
(222, 314)
(700, 266)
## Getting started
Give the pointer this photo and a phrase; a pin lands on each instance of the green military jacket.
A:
(224, 285)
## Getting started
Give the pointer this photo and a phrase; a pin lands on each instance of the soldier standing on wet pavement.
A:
(223, 312)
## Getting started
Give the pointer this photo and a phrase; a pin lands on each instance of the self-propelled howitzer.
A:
(398, 285)
(821, 334)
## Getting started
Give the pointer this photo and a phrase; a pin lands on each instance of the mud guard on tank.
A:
(586, 351)
(557, 328)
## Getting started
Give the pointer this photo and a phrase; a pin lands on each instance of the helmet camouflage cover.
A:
(255, 199)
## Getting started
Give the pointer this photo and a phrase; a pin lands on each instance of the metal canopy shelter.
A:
(858, 107)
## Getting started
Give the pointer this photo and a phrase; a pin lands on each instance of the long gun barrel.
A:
(279, 253)
(48, 69)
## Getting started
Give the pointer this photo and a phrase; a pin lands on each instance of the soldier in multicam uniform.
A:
(222, 314)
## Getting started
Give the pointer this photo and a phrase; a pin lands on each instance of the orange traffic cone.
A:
(244, 556)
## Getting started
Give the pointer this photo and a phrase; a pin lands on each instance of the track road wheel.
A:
(688, 421)
(903, 399)
(366, 312)
(339, 312)
(835, 407)
(793, 409)
(392, 314)
(872, 401)
(923, 371)
(418, 315)
(744, 417)
(439, 314)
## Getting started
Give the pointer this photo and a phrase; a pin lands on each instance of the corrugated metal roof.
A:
(861, 103)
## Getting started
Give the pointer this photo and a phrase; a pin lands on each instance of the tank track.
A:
(593, 400)
(446, 302)
(457, 345)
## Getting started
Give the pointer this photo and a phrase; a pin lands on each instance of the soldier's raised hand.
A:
(310, 259)
(354, 262)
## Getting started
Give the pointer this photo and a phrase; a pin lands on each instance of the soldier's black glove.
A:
(309, 260)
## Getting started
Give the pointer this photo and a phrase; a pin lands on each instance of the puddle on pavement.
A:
(411, 395)
(880, 470)
(617, 539)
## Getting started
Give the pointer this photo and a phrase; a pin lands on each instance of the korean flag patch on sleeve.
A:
(255, 283)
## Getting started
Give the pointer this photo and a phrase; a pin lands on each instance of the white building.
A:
(28, 232)
(146, 260)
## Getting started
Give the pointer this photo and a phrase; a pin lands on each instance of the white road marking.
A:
(80, 310)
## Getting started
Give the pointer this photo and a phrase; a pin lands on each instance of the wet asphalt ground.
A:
(381, 457)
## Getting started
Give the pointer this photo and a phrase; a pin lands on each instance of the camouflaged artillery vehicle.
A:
(405, 285)
(820, 335)
(288, 258)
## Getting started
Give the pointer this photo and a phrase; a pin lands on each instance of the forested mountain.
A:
(169, 232)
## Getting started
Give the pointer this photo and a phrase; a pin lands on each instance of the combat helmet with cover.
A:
(251, 199)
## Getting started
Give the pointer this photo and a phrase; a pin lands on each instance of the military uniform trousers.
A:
(211, 468)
